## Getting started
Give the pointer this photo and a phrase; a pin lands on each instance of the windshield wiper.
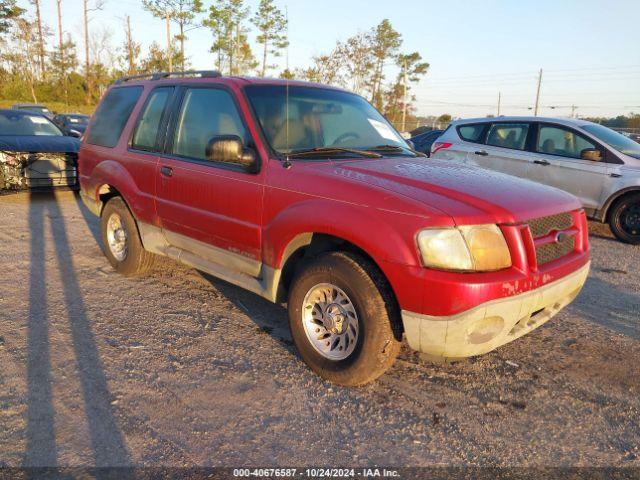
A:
(325, 150)
(396, 148)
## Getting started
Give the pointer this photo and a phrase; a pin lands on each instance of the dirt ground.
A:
(180, 369)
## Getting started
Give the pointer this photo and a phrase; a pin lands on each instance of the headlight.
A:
(474, 248)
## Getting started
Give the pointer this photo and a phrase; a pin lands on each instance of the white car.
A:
(598, 165)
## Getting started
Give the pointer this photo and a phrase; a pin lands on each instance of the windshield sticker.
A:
(383, 129)
(39, 120)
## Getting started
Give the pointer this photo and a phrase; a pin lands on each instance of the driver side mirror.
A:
(230, 149)
(591, 154)
(74, 133)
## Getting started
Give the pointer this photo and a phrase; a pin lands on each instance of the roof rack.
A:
(161, 75)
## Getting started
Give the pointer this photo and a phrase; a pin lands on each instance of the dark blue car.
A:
(423, 141)
(35, 153)
(72, 123)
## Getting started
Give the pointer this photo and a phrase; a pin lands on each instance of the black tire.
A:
(376, 346)
(624, 219)
(136, 260)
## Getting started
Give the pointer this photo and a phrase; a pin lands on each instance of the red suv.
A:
(306, 195)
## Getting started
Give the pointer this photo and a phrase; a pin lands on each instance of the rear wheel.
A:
(122, 245)
(624, 219)
(340, 314)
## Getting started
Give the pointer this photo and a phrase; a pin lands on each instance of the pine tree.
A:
(385, 44)
(184, 14)
(272, 26)
(227, 21)
(9, 11)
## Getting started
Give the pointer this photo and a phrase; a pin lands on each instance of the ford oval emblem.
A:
(561, 237)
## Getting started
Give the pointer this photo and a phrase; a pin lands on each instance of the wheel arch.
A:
(605, 212)
(309, 245)
(109, 179)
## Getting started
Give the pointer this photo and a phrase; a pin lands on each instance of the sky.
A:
(589, 50)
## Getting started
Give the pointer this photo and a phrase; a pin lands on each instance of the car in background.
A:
(598, 165)
(73, 124)
(422, 142)
(35, 153)
(33, 107)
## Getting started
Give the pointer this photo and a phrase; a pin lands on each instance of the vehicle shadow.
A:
(606, 304)
(40, 435)
(107, 441)
(93, 222)
(268, 317)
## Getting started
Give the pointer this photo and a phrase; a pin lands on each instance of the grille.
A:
(552, 251)
(542, 226)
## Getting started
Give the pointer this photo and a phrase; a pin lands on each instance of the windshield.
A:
(614, 139)
(34, 108)
(25, 124)
(322, 119)
(78, 119)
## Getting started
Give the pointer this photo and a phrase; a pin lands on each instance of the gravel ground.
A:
(180, 369)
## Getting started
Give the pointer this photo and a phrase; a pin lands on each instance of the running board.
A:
(265, 284)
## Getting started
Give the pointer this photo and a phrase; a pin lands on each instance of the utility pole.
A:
(573, 111)
(40, 38)
(404, 100)
(169, 53)
(130, 47)
(499, 98)
(535, 112)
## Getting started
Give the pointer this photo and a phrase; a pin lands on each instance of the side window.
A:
(146, 132)
(472, 133)
(205, 113)
(112, 115)
(555, 140)
(508, 135)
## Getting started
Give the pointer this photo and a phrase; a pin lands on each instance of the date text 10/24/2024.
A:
(316, 473)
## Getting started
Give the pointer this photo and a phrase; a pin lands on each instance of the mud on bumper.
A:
(492, 324)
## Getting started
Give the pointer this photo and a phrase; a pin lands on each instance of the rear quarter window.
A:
(472, 133)
(112, 116)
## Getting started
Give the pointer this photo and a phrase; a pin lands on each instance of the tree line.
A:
(41, 63)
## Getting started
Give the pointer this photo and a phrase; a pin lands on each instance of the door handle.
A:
(541, 162)
(166, 171)
(482, 153)
(615, 175)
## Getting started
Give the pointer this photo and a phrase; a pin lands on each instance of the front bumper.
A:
(492, 324)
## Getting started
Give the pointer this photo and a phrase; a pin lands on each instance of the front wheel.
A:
(341, 314)
(624, 219)
(122, 244)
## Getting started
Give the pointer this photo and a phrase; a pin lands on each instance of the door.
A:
(210, 208)
(560, 159)
(504, 149)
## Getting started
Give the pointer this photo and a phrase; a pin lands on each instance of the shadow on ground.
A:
(107, 441)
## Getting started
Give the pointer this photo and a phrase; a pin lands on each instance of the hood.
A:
(38, 143)
(470, 195)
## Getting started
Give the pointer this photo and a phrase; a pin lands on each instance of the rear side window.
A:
(112, 115)
(508, 135)
(472, 133)
(146, 132)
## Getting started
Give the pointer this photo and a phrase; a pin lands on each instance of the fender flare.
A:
(294, 227)
(112, 173)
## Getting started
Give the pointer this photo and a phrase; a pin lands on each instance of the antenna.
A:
(287, 162)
